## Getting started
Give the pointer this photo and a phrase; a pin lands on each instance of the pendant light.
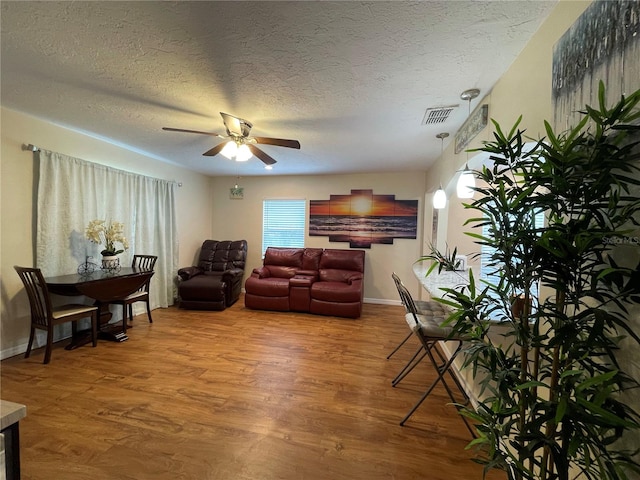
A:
(467, 180)
(440, 197)
(466, 183)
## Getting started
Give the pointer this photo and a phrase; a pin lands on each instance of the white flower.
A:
(101, 232)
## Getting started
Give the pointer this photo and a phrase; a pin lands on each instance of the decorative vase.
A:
(110, 262)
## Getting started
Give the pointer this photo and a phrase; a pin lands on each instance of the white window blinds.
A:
(283, 223)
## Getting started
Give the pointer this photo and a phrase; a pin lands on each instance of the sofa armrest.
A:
(232, 273)
(261, 272)
(355, 278)
(189, 272)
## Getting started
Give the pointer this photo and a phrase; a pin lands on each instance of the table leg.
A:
(12, 451)
(106, 331)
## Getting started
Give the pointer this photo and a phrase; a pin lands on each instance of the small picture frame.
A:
(236, 193)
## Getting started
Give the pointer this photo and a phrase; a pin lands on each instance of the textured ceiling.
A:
(350, 80)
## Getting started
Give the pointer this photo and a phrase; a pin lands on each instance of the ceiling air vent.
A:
(438, 115)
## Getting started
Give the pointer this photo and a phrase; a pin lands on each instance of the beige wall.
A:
(525, 89)
(242, 219)
(204, 211)
(17, 197)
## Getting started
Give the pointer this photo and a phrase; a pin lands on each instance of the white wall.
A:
(18, 198)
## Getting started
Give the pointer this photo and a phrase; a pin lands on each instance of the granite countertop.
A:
(11, 413)
(436, 281)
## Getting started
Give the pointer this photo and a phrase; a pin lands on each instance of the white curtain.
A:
(72, 192)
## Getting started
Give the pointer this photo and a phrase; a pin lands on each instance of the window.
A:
(492, 273)
(283, 223)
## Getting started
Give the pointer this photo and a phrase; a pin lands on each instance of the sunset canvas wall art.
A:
(362, 218)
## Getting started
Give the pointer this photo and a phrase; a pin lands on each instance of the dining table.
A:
(103, 287)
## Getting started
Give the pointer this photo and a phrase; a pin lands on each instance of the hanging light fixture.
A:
(467, 180)
(238, 152)
(230, 150)
(440, 197)
(243, 154)
(466, 183)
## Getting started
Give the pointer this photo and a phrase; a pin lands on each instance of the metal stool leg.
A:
(409, 335)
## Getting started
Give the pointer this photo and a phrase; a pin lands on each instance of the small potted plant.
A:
(449, 262)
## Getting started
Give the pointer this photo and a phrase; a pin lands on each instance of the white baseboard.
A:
(382, 301)
(13, 351)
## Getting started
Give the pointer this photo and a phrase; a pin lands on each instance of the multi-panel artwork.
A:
(602, 45)
(363, 218)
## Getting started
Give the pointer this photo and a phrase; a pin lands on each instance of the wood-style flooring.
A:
(237, 395)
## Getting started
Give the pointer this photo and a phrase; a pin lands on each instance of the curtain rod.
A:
(32, 148)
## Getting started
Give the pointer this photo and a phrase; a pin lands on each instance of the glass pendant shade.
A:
(439, 199)
(243, 153)
(465, 185)
(230, 150)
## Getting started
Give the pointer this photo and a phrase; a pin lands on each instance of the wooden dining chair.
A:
(44, 316)
(141, 262)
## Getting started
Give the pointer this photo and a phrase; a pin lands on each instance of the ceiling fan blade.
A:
(213, 134)
(266, 159)
(280, 142)
(215, 150)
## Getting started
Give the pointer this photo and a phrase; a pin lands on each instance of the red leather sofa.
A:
(216, 282)
(314, 280)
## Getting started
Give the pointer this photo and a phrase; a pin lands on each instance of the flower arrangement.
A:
(101, 232)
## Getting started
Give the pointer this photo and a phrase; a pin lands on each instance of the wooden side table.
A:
(10, 416)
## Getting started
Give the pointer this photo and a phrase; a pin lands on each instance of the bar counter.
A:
(437, 281)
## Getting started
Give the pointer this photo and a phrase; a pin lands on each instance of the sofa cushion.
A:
(203, 287)
(342, 260)
(220, 256)
(267, 287)
(284, 257)
(311, 259)
(281, 271)
(333, 275)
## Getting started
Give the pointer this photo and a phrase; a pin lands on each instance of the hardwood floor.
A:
(237, 395)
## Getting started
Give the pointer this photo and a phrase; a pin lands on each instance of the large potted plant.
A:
(551, 383)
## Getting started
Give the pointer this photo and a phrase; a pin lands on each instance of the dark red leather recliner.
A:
(339, 289)
(216, 282)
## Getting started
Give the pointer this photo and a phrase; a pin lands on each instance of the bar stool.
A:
(429, 331)
(429, 308)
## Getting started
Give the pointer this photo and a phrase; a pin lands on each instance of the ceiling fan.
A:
(240, 147)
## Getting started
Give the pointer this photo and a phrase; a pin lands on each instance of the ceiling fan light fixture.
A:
(243, 154)
(230, 150)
